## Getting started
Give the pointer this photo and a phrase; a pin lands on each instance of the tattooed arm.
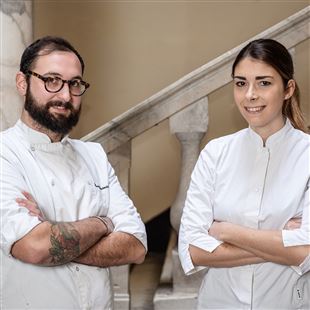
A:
(111, 249)
(51, 244)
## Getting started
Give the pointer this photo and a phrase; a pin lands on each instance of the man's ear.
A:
(21, 83)
(290, 88)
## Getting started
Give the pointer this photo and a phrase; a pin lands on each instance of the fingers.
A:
(293, 223)
(33, 213)
(30, 204)
(28, 196)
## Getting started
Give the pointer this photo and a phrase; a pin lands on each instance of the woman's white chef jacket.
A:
(236, 179)
(70, 180)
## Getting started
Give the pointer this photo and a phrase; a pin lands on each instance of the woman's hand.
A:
(29, 203)
(293, 223)
(219, 230)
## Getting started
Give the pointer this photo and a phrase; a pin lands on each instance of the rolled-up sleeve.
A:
(15, 220)
(123, 212)
(300, 236)
(197, 214)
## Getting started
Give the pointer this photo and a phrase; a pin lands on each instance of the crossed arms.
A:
(205, 242)
(242, 246)
(89, 241)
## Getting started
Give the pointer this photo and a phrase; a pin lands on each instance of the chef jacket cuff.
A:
(186, 259)
(303, 267)
(295, 237)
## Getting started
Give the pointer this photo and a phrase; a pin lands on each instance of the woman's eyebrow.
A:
(260, 77)
(263, 77)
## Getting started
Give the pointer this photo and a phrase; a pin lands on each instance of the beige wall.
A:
(134, 49)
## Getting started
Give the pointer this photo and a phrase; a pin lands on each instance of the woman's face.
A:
(259, 94)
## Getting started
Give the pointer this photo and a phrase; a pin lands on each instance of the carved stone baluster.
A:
(16, 34)
(120, 159)
(189, 126)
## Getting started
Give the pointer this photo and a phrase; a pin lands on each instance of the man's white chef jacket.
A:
(238, 180)
(70, 180)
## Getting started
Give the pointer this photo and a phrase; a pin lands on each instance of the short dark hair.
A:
(276, 55)
(48, 44)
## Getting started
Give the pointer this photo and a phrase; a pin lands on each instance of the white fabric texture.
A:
(239, 180)
(70, 180)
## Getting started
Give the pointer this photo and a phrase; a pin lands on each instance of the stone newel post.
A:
(16, 35)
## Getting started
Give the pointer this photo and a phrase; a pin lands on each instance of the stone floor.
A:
(144, 280)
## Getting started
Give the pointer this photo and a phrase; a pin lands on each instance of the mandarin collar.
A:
(35, 137)
(272, 140)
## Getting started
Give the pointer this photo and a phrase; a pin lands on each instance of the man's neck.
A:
(26, 118)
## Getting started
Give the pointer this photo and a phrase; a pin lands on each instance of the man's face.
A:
(58, 112)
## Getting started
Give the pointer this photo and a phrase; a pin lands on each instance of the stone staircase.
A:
(185, 104)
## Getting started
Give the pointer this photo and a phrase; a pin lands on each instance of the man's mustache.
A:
(66, 105)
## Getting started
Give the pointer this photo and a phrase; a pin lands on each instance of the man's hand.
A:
(29, 203)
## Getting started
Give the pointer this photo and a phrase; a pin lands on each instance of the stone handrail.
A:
(191, 88)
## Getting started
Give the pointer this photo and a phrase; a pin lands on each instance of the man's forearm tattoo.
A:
(65, 243)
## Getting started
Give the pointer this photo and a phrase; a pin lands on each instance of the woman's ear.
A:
(290, 88)
(21, 83)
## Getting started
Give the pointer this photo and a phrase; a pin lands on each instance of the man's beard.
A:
(58, 124)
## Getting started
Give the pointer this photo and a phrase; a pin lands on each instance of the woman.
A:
(246, 215)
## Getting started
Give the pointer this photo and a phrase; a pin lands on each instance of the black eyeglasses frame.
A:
(69, 82)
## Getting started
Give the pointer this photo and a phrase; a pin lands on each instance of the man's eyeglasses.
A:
(54, 84)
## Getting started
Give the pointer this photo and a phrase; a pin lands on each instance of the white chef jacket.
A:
(70, 180)
(239, 180)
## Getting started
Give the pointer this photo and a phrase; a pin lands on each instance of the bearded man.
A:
(64, 216)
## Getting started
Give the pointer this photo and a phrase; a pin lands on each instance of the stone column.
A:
(120, 159)
(16, 34)
(189, 126)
